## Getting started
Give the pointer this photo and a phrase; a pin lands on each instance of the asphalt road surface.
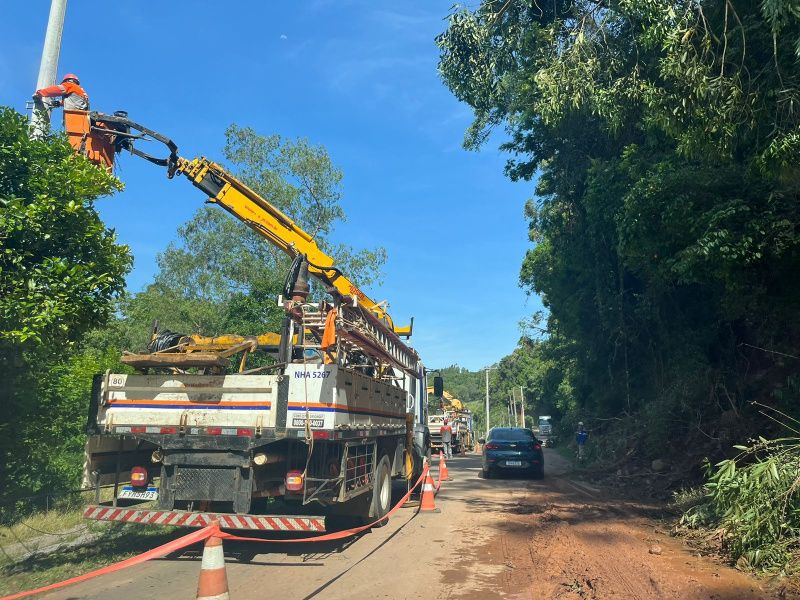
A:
(498, 538)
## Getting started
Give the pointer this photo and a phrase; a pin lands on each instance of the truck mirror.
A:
(438, 386)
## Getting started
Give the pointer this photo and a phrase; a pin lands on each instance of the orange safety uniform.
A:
(75, 97)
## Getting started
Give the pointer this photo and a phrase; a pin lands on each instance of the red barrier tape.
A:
(202, 534)
(163, 550)
(330, 536)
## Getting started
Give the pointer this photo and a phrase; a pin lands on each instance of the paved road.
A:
(509, 538)
(401, 560)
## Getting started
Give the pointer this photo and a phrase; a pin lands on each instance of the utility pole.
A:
(487, 369)
(522, 404)
(513, 409)
(487, 402)
(40, 119)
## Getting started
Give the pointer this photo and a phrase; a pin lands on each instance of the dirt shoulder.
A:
(560, 538)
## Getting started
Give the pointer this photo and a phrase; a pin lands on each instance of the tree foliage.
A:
(59, 265)
(301, 180)
(60, 272)
(664, 227)
(664, 140)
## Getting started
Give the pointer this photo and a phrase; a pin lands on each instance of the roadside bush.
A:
(61, 269)
(754, 500)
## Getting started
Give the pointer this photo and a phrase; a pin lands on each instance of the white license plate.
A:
(313, 423)
(128, 492)
(513, 463)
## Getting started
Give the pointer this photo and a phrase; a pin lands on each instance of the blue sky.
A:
(356, 76)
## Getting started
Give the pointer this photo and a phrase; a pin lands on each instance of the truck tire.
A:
(381, 492)
(418, 455)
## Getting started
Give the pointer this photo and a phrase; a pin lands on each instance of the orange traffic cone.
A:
(427, 503)
(213, 583)
(444, 475)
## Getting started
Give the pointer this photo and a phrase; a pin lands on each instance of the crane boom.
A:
(268, 221)
(225, 190)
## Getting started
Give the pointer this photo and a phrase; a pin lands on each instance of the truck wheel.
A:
(381, 492)
(418, 454)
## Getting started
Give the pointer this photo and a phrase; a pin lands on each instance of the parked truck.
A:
(458, 417)
(335, 410)
(546, 430)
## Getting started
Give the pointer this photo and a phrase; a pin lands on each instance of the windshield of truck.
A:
(510, 435)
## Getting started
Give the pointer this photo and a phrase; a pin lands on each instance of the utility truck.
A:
(458, 417)
(545, 425)
(320, 427)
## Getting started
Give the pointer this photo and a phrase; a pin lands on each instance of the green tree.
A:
(60, 271)
(301, 180)
(664, 227)
(60, 266)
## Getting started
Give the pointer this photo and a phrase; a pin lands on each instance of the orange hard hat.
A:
(70, 76)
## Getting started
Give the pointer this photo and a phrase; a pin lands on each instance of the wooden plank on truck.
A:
(180, 361)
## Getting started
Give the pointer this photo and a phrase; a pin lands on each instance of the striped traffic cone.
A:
(213, 583)
(427, 503)
(444, 474)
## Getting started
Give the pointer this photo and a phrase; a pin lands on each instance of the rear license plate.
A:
(128, 492)
(314, 423)
(513, 463)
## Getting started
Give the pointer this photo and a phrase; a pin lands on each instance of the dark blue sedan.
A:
(512, 450)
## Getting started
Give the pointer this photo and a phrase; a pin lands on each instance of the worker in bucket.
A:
(580, 439)
(447, 439)
(73, 96)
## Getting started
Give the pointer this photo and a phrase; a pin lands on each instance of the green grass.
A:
(29, 530)
(566, 453)
(105, 543)
(118, 542)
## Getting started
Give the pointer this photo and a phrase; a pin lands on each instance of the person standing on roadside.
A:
(447, 439)
(580, 439)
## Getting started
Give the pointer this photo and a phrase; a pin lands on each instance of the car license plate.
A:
(513, 463)
(128, 492)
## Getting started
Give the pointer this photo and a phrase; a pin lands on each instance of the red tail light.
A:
(491, 446)
(321, 435)
(294, 481)
(139, 477)
(537, 446)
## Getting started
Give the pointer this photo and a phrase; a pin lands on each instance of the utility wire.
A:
(771, 351)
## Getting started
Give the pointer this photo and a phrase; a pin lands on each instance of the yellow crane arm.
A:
(268, 221)
(201, 343)
(118, 132)
(450, 400)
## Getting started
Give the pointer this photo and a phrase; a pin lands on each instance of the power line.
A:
(771, 351)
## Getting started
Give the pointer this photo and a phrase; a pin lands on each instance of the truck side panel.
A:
(188, 401)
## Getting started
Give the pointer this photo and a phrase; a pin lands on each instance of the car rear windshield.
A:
(510, 435)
